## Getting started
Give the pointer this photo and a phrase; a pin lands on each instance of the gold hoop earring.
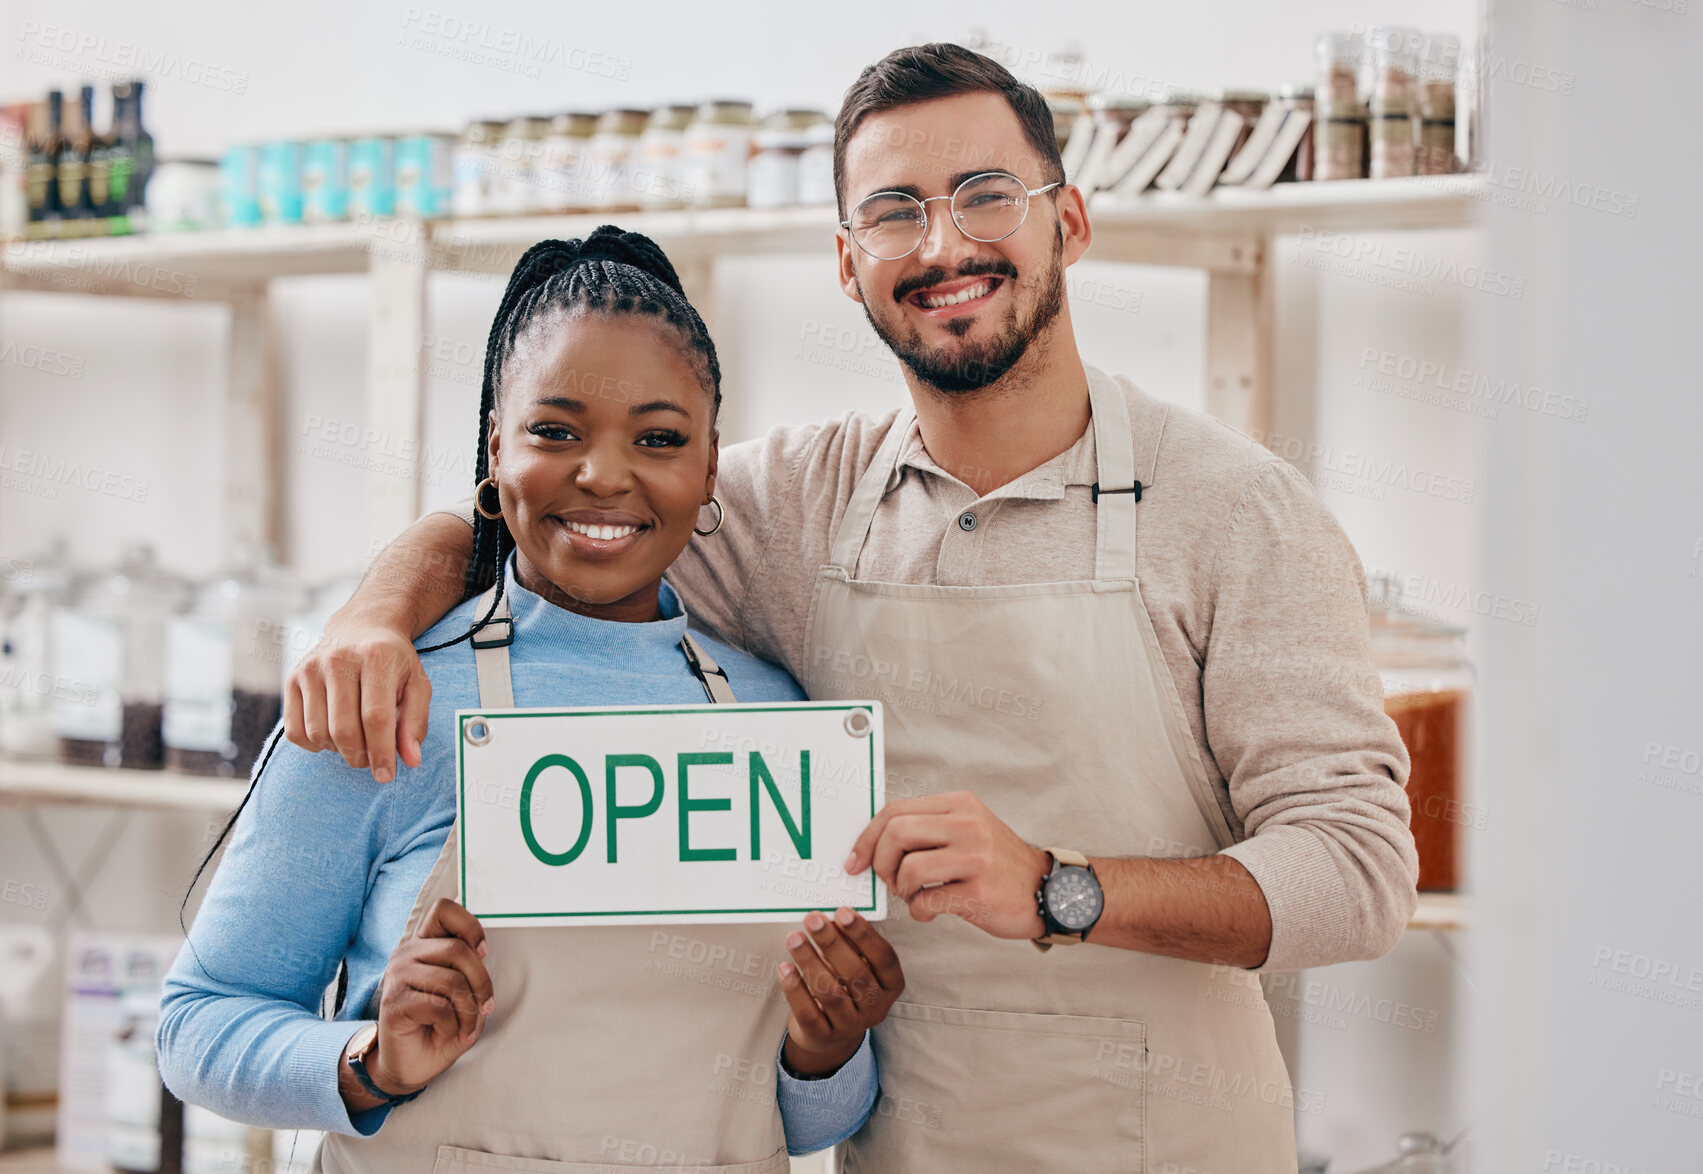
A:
(720, 517)
(479, 500)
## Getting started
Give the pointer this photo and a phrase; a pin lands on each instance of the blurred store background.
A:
(1441, 258)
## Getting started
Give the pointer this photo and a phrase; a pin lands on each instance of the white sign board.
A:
(646, 815)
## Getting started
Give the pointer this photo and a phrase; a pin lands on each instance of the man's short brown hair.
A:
(921, 73)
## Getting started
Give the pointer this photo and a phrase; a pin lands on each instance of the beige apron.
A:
(610, 1049)
(1086, 1058)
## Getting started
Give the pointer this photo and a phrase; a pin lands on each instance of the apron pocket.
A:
(965, 1089)
(454, 1160)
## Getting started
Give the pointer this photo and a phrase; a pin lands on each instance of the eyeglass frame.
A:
(1028, 195)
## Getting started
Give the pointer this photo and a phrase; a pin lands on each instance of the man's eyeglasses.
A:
(988, 207)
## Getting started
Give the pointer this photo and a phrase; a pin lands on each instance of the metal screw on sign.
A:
(477, 732)
(858, 723)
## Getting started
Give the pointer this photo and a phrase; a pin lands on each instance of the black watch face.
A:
(1074, 898)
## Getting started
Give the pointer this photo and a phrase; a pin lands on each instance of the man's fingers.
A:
(863, 850)
(378, 720)
(947, 898)
(877, 951)
(343, 714)
(924, 867)
(910, 833)
(823, 985)
(315, 731)
(294, 730)
(413, 709)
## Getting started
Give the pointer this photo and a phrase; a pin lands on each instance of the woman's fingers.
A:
(472, 982)
(427, 1008)
(823, 985)
(813, 1026)
(449, 919)
(877, 951)
(843, 959)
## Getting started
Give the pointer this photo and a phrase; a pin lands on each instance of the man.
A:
(1124, 658)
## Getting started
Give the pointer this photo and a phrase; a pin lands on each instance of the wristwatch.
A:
(1069, 899)
(355, 1055)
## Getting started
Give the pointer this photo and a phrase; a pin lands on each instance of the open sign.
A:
(632, 816)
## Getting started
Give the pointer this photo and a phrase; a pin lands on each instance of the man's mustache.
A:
(974, 267)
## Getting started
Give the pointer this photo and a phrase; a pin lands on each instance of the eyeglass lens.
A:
(890, 225)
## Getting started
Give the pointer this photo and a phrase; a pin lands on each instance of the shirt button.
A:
(966, 521)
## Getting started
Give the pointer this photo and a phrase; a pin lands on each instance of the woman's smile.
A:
(600, 534)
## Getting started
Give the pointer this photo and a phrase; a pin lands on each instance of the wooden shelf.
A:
(54, 782)
(1156, 228)
(1441, 911)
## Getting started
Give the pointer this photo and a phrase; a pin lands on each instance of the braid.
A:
(609, 272)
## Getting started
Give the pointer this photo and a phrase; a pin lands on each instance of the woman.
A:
(548, 1048)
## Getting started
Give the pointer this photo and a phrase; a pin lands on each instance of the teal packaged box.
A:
(425, 175)
(372, 176)
(325, 181)
(239, 186)
(281, 183)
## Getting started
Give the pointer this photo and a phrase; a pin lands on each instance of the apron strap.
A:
(1115, 496)
(491, 652)
(491, 660)
(871, 487)
(1115, 492)
(708, 672)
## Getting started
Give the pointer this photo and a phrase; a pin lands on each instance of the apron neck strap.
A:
(491, 659)
(871, 487)
(1115, 494)
(1117, 489)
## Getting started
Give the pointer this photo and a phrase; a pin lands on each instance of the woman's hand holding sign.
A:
(433, 1000)
(843, 978)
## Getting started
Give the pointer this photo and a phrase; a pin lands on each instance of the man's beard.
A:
(974, 366)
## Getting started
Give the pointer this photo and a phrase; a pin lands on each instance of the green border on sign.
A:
(463, 716)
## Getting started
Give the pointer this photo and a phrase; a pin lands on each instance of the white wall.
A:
(1590, 1050)
(794, 348)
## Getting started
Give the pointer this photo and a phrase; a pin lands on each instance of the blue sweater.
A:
(324, 865)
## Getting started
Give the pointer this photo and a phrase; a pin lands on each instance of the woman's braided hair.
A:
(609, 272)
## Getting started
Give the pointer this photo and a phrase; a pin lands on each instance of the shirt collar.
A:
(1076, 465)
(537, 618)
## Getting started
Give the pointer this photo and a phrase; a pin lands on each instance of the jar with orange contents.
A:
(1428, 692)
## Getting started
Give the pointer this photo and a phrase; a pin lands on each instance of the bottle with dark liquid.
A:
(140, 142)
(45, 148)
(41, 172)
(121, 154)
(74, 159)
(100, 166)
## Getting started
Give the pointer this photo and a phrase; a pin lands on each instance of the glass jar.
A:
(29, 592)
(1391, 130)
(521, 158)
(476, 156)
(816, 167)
(612, 152)
(1428, 693)
(109, 652)
(1438, 70)
(657, 172)
(1424, 1153)
(1339, 56)
(779, 150)
(222, 694)
(717, 151)
(565, 165)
